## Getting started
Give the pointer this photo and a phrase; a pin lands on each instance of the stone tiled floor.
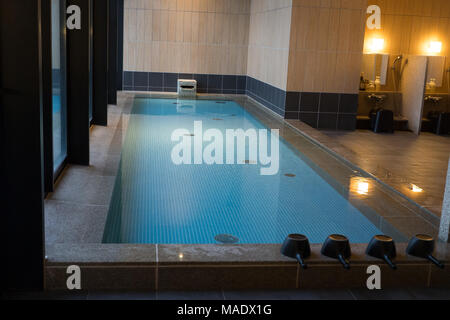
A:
(76, 212)
(399, 294)
(398, 160)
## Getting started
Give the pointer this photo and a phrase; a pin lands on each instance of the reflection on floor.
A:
(362, 294)
(400, 160)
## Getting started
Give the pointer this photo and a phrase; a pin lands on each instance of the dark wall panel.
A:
(100, 71)
(21, 137)
(79, 84)
(120, 13)
(47, 94)
(113, 49)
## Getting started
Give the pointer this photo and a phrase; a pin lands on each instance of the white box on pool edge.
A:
(187, 88)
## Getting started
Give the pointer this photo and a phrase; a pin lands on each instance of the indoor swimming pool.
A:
(158, 202)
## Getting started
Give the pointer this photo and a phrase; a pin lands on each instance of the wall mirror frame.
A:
(436, 71)
(375, 65)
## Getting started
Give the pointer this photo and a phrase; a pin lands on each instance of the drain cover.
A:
(226, 239)
(217, 119)
(189, 135)
(249, 162)
(290, 175)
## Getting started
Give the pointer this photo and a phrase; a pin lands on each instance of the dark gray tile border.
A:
(167, 82)
(329, 102)
(285, 104)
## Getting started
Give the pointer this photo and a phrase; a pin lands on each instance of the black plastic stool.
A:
(443, 124)
(382, 121)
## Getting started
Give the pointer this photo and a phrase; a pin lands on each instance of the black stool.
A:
(443, 124)
(382, 121)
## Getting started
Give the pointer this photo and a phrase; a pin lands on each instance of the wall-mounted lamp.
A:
(435, 47)
(376, 45)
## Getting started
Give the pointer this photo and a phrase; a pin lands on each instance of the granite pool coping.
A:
(210, 254)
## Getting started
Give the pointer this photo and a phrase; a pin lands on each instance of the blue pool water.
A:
(156, 201)
(56, 103)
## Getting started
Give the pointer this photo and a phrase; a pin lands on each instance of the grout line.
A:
(78, 203)
(318, 110)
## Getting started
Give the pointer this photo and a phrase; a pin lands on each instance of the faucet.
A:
(378, 98)
(433, 99)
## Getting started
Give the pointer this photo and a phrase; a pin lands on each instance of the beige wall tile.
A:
(269, 38)
(327, 40)
(167, 36)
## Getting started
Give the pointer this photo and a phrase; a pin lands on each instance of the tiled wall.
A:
(270, 96)
(326, 44)
(186, 36)
(167, 82)
(407, 26)
(308, 69)
(332, 111)
(268, 52)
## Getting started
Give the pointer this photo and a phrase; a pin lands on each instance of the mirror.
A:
(435, 73)
(375, 65)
